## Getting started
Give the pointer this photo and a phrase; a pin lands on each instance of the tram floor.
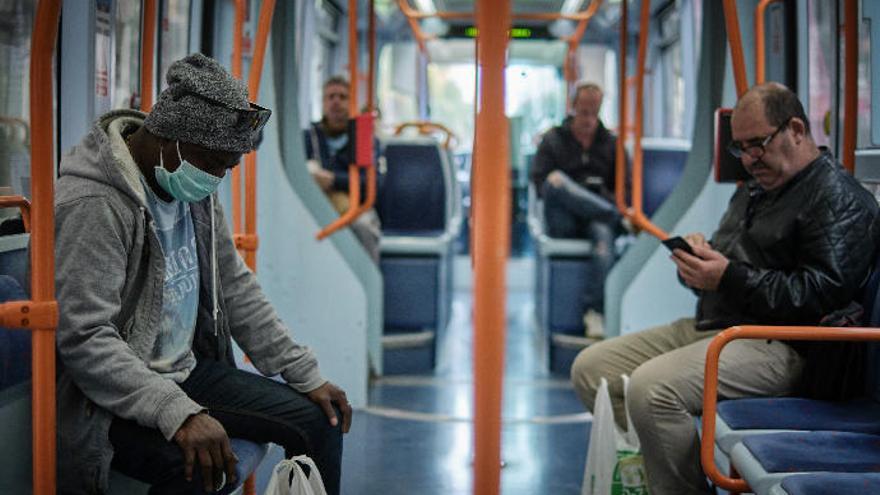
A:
(415, 437)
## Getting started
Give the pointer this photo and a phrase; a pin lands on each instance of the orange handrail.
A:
(249, 241)
(569, 69)
(371, 76)
(851, 77)
(637, 216)
(413, 16)
(760, 40)
(426, 127)
(620, 158)
(710, 385)
(148, 48)
(237, 56)
(413, 22)
(734, 38)
(534, 16)
(355, 209)
(23, 205)
(371, 50)
(491, 241)
(43, 411)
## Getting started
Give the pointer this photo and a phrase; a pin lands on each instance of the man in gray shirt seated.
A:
(151, 292)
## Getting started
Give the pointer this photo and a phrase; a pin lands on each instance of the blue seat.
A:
(825, 483)
(15, 345)
(740, 418)
(749, 430)
(420, 209)
(563, 266)
(766, 460)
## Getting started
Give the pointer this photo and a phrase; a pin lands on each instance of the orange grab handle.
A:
(23, 205)
(734, 38)
(710, 385)
(354, 198)
(425, 127)
(267, 9)
(620, 158)
(237, 69)
(637, 216)
(148, 49)
(761, 40)
(43, 411)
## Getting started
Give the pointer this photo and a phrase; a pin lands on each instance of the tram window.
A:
(321, 53)
(174, 39)
(822, 35)
(673, 77)
(126, 80)
(15, 40)
(869, 72)
(397, 86)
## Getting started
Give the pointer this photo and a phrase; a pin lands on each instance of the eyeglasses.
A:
(754, 147)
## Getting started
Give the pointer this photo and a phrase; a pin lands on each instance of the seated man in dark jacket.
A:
(796, 243)
(574, 172)
(151, 292)
(330, 154)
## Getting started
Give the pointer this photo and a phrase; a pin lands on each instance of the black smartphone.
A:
(678, 243)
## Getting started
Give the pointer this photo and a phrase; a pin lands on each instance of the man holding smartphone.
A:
(795, 244)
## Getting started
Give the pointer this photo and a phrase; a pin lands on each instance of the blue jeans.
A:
(571, 211)
(249, 407)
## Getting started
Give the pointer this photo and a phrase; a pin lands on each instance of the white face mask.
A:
(188, 183)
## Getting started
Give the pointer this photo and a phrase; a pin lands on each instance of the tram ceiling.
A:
(602, 26)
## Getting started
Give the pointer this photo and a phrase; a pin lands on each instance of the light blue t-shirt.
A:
(172, 355)
(334, 144)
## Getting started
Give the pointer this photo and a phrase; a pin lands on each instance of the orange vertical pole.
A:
(491, 242)
(371, 70)
(267, 9)
(638, 216)
(761, 40)
(237, 35)
(734, 37)
(620, 158)
(148, 49)
(354, 178)
(851, 75)
(370, 199)
(43, 243)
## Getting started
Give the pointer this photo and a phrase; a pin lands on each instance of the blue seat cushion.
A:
(15, 345)
(792, 413)
(836, 483)
(815, 451)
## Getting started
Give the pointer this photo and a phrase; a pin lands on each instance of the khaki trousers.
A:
(666, 366)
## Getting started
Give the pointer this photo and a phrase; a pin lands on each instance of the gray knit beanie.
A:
(204, 105)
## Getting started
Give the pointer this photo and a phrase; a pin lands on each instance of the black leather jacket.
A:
(559, 150)
(796, 253)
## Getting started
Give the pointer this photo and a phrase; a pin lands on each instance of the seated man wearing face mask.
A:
(151, 292)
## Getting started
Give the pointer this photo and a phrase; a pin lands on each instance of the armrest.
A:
(710, 379)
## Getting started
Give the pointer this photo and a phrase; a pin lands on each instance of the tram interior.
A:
(398, 335)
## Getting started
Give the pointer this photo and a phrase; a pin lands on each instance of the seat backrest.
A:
(664, 161)
(871, 305)
(415, 193)
(15, 345)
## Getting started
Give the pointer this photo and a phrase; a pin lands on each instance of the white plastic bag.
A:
(282, 483)
(614, 461)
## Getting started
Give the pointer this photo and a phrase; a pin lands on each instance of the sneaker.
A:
(594, 323)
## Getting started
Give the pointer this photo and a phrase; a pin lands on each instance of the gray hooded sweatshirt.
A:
(109, 280)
